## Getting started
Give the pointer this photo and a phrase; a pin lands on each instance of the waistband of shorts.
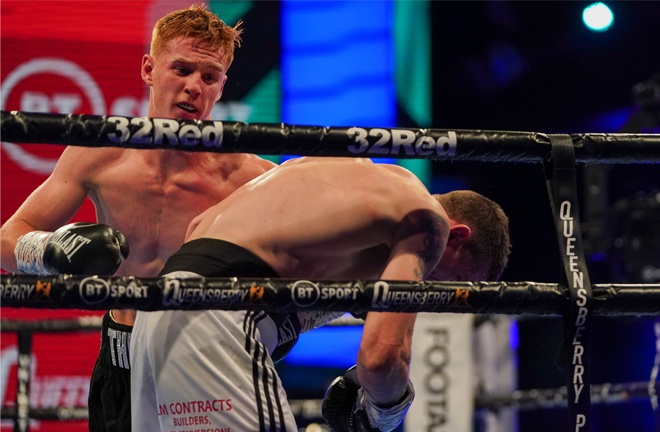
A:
(210, 257)
(115, 343)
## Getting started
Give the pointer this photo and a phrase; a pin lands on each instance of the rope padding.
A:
(279, 138)
(288, 295)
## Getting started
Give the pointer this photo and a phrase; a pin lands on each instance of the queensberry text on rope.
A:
(576, 281)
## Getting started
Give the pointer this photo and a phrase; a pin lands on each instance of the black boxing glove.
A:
(84, 248)
(347, 407)
(80, 248)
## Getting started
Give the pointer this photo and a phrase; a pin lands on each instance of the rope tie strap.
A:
(575, 352)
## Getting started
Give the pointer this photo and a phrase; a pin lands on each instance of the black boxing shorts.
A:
(217, 258)
(109, 399)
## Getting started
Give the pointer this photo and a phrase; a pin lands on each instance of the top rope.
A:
(278, 139)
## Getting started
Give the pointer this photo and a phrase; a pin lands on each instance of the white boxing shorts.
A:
(205, 371)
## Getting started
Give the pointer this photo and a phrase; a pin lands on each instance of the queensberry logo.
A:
(26, 291)
(176, 293)
(143, 130)
(257, 293)
(385, 297)
(400, 142)
(43, 289)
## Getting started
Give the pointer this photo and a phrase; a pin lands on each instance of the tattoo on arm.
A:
(434, 227)
(434, 230)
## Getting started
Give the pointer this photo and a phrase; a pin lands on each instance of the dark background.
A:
(534, 66)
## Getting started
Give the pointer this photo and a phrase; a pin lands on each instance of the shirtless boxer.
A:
(149, 196)
(309, 218)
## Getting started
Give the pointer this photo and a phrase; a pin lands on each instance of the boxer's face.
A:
(186, 80)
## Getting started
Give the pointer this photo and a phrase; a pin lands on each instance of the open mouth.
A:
(187, 107)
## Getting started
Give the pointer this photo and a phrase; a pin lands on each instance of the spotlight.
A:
(598, 17)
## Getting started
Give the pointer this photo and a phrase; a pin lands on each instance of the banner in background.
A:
(84, 57)
(442, 371)
(62, 57)
(54, 61)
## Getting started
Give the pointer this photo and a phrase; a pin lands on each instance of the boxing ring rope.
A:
(575, 299)
(278, 139)
(288, 295)
(530, 399)
(533, 399)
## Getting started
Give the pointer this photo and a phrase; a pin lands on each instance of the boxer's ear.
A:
(458, 234)
(147, 69)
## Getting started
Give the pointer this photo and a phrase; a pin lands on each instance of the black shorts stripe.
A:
(263, 355)
(279, 405)
(249, 326)
(271, 413)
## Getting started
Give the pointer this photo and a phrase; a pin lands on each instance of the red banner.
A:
(64, 57)
(67, 57)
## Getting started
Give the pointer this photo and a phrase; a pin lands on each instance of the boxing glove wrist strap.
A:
(29, 252)
(386, 419)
